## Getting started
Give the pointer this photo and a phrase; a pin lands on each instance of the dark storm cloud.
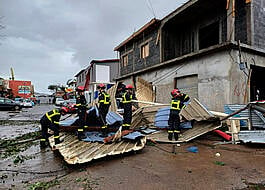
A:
(56, 38)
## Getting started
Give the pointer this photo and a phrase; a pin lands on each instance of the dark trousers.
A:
(174, 120)
(82, 117)
(103, 111)
(45, 124)
(127, 115)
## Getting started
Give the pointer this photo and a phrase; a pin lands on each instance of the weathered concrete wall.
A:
(213, 75)
(239, 88)
(220, 80)
(258, 9)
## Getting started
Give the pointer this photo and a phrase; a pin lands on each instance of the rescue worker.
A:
(104, 104)
(120, 91)
(81, 106)
(127, 98)
(51, 120)
(177, 103)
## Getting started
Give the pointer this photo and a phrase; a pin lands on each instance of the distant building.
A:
(3, 87)
(22, 89)
(98, 71)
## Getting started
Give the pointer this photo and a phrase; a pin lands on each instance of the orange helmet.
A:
(129, 86)
(64, 109)
(175, 92)
(80, 88)
(101, 86)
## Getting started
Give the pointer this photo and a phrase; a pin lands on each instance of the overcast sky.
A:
(49, 41)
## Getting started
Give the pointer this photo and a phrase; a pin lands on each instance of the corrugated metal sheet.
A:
(78, 152)
(257, 136)
(196, 111)
(145, 115)
(199, 128)
(144, 91)
(257, 122)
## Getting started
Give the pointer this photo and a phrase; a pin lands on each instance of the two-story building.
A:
(98, 71)
(213, 51)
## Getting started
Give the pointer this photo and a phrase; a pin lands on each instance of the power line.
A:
(150, 7)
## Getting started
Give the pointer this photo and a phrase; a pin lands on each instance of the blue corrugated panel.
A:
(133, 135)
(95, 136)
(113, 117)
(68, 122)
(92, 119)
(257, 122)
(162, 116)
(257, 136)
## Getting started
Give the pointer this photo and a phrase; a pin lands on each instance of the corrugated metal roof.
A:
(78, 152)
(196, 111)
(199, 128)
(142, 29)
(257, 121)
(257, 136)
(193, 111)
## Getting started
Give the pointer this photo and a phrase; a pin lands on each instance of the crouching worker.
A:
(51, 120)
(177, 103)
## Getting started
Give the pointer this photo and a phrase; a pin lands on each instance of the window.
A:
(8, 101)
(145, 50)
(125, 60)
(209, 35)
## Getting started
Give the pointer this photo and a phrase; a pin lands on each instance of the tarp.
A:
(92, 119)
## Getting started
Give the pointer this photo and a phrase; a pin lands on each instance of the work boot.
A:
(104, 132)
(57, 141)
(170, 136)
(125, 128)
(176, 136)
(43, 144)
(81, 136)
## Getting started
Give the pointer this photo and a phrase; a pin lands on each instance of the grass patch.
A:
(43, 185)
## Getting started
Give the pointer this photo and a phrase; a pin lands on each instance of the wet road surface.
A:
(23, 165)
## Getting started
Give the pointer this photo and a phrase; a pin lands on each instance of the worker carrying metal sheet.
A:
(51, 120)
(104, 104)
(127, 98)
(177, 103)
(81, 106)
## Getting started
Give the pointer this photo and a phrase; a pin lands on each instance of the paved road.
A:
(26, 114)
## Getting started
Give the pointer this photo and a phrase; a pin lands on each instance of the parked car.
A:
(27, 103)
(8, 104)
(59, 102)
(19, 101)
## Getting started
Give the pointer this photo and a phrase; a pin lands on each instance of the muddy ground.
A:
(23, 165)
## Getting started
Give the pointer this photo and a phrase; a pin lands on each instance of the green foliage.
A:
(43, 185)
(21, 159)
(219, 163)
(15, 146)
